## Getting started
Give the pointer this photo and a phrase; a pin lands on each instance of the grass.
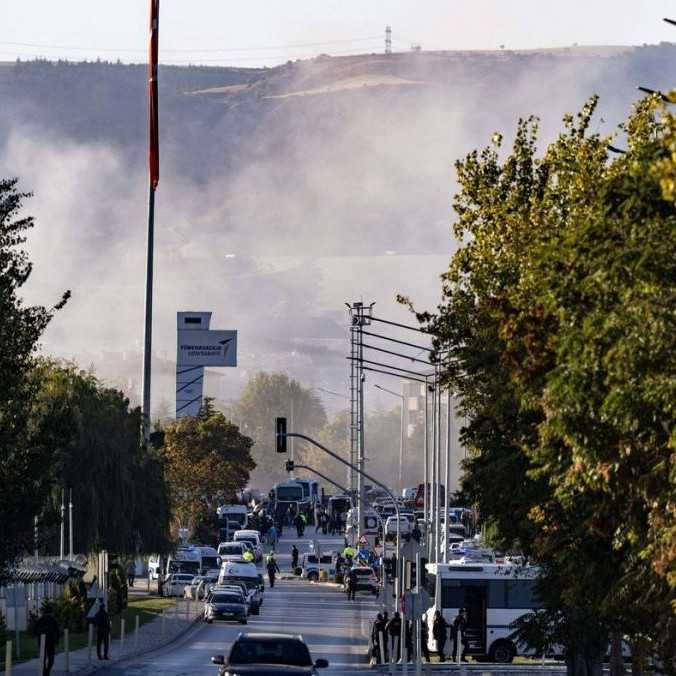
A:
(146, 607)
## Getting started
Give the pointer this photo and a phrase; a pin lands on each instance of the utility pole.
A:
(70, 525)
(388, 39)
(62, 539)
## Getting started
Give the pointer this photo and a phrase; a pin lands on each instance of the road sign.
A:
(363, 540)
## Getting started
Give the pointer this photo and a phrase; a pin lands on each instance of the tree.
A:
(24, 466)
(266, 397)
(558, 321)
(120, 499)
(207, 461)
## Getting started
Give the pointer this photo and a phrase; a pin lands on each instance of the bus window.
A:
(522, 594)
(497, 594)
(431, 584)
(452, 594)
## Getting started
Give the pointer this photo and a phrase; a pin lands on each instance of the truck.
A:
(231, 518)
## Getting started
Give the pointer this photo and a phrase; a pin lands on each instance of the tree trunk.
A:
(616, 659)
(639, 651)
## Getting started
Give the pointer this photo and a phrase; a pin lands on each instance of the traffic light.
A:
(410, 574)
(289, 465)
(280, 435)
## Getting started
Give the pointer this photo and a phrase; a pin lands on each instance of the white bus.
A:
(493, 597)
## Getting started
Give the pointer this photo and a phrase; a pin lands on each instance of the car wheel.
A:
(313, 576)
(244, 621)
(502, 652)
(210, 621)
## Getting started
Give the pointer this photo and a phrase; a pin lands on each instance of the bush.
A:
(70, 609)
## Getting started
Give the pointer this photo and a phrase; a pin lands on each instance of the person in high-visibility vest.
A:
(248, 556)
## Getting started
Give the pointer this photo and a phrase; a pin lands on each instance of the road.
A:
(333, 627)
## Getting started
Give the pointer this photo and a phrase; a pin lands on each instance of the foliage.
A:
(266, 397)
(557, 325)
(117, 596)
(70, 608)
(24, 461)
(120, 500)
(207, 461)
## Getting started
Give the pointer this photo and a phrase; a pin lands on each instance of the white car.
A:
(253, 537)
(311, 565)
(175, 584)
(199, 587)
(231, 551)
(391, 526)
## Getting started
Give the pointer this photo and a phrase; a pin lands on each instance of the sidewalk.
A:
(151, 636)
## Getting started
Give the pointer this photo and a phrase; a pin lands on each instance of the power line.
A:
(188, 50)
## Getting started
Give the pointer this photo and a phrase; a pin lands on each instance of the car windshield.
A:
(250, 582)
(226, 598)
(252, 539)
(230, 550)
(363, 571)
(270, 651)
(210, 562)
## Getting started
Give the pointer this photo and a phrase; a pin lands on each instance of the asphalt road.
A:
(332, 626)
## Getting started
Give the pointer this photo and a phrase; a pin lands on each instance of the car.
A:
(366, 580)
(226, 605)
(311, 565)
(253, 537)
(269, 654)
(232, 551)
(175, 584)
(232, 572)
(199, 587)
(391, 526)
(250, 597)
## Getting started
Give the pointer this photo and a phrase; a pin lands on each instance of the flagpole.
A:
(154, 177)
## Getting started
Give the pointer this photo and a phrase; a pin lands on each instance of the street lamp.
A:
(401, 437)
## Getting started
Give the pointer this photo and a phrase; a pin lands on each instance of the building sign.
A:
(204, 347)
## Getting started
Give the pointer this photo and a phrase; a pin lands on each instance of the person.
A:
(378, 628)
(424, 638)
(416, 533)
(409, 640)
(298, 523)
(49, 627)
(351, 585)
(393, 629)
(439, 628)
(294, 558)
(131, 574)
(459, 627)
(102, 623)
(248, 556)
(272, 537)
(303, 518)
(272, 567)
(332, 525)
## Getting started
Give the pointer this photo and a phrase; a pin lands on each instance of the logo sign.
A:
(197, 347)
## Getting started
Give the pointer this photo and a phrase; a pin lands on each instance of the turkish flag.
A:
(153, 127)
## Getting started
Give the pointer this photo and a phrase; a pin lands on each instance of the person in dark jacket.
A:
(393, 629)
(424, 638)
(102, 624)
(294, 558)
(48, 627)
(459, 627)
(299, 524)
(272, 567)
(378, 629)
(439, 632)
(351, 585)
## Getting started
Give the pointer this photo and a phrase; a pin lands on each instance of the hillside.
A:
(322, 180)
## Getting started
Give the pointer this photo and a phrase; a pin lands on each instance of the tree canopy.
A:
(558, 333)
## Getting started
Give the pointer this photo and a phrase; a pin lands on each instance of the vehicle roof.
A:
(245, 531)
(259, 635)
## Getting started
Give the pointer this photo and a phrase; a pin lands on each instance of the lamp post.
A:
(401, 437)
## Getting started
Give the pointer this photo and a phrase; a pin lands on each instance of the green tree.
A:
(558, 318)
(25, 463)
(120, 500)
(266, 397)
(207, 461)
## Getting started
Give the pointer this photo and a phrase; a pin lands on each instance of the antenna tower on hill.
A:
(388, 39)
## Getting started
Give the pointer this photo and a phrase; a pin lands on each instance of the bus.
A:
(310, 490)
(286, 494)
(493, 597)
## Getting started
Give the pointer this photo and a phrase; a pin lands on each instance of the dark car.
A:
(268, 655)
(226, 606)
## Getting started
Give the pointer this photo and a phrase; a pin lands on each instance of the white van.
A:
(253, 537)
(247, 573)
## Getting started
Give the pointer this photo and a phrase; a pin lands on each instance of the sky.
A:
(268, 32)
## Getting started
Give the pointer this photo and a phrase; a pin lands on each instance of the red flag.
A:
(154, 134)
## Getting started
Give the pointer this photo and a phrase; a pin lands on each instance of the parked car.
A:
(253, 537)
(199, 587)
(250, 595)
(311, 565)
(232, 551)
(175, 584)
(366, 580)
(270, 654)
(226, 605)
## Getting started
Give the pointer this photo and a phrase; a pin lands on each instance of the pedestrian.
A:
(272, 537)
(439, 628)
(298, 523)
(48, 627)
(131, 574)
(303, 519)
(416, 533)
(102, 623)
(294, 558)
(393, 629)
(459, 631)
(424, 638)
(332, 525)
(273, 568)
(351, 585)
(376, 631)
(340, 562)
(409, 640)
